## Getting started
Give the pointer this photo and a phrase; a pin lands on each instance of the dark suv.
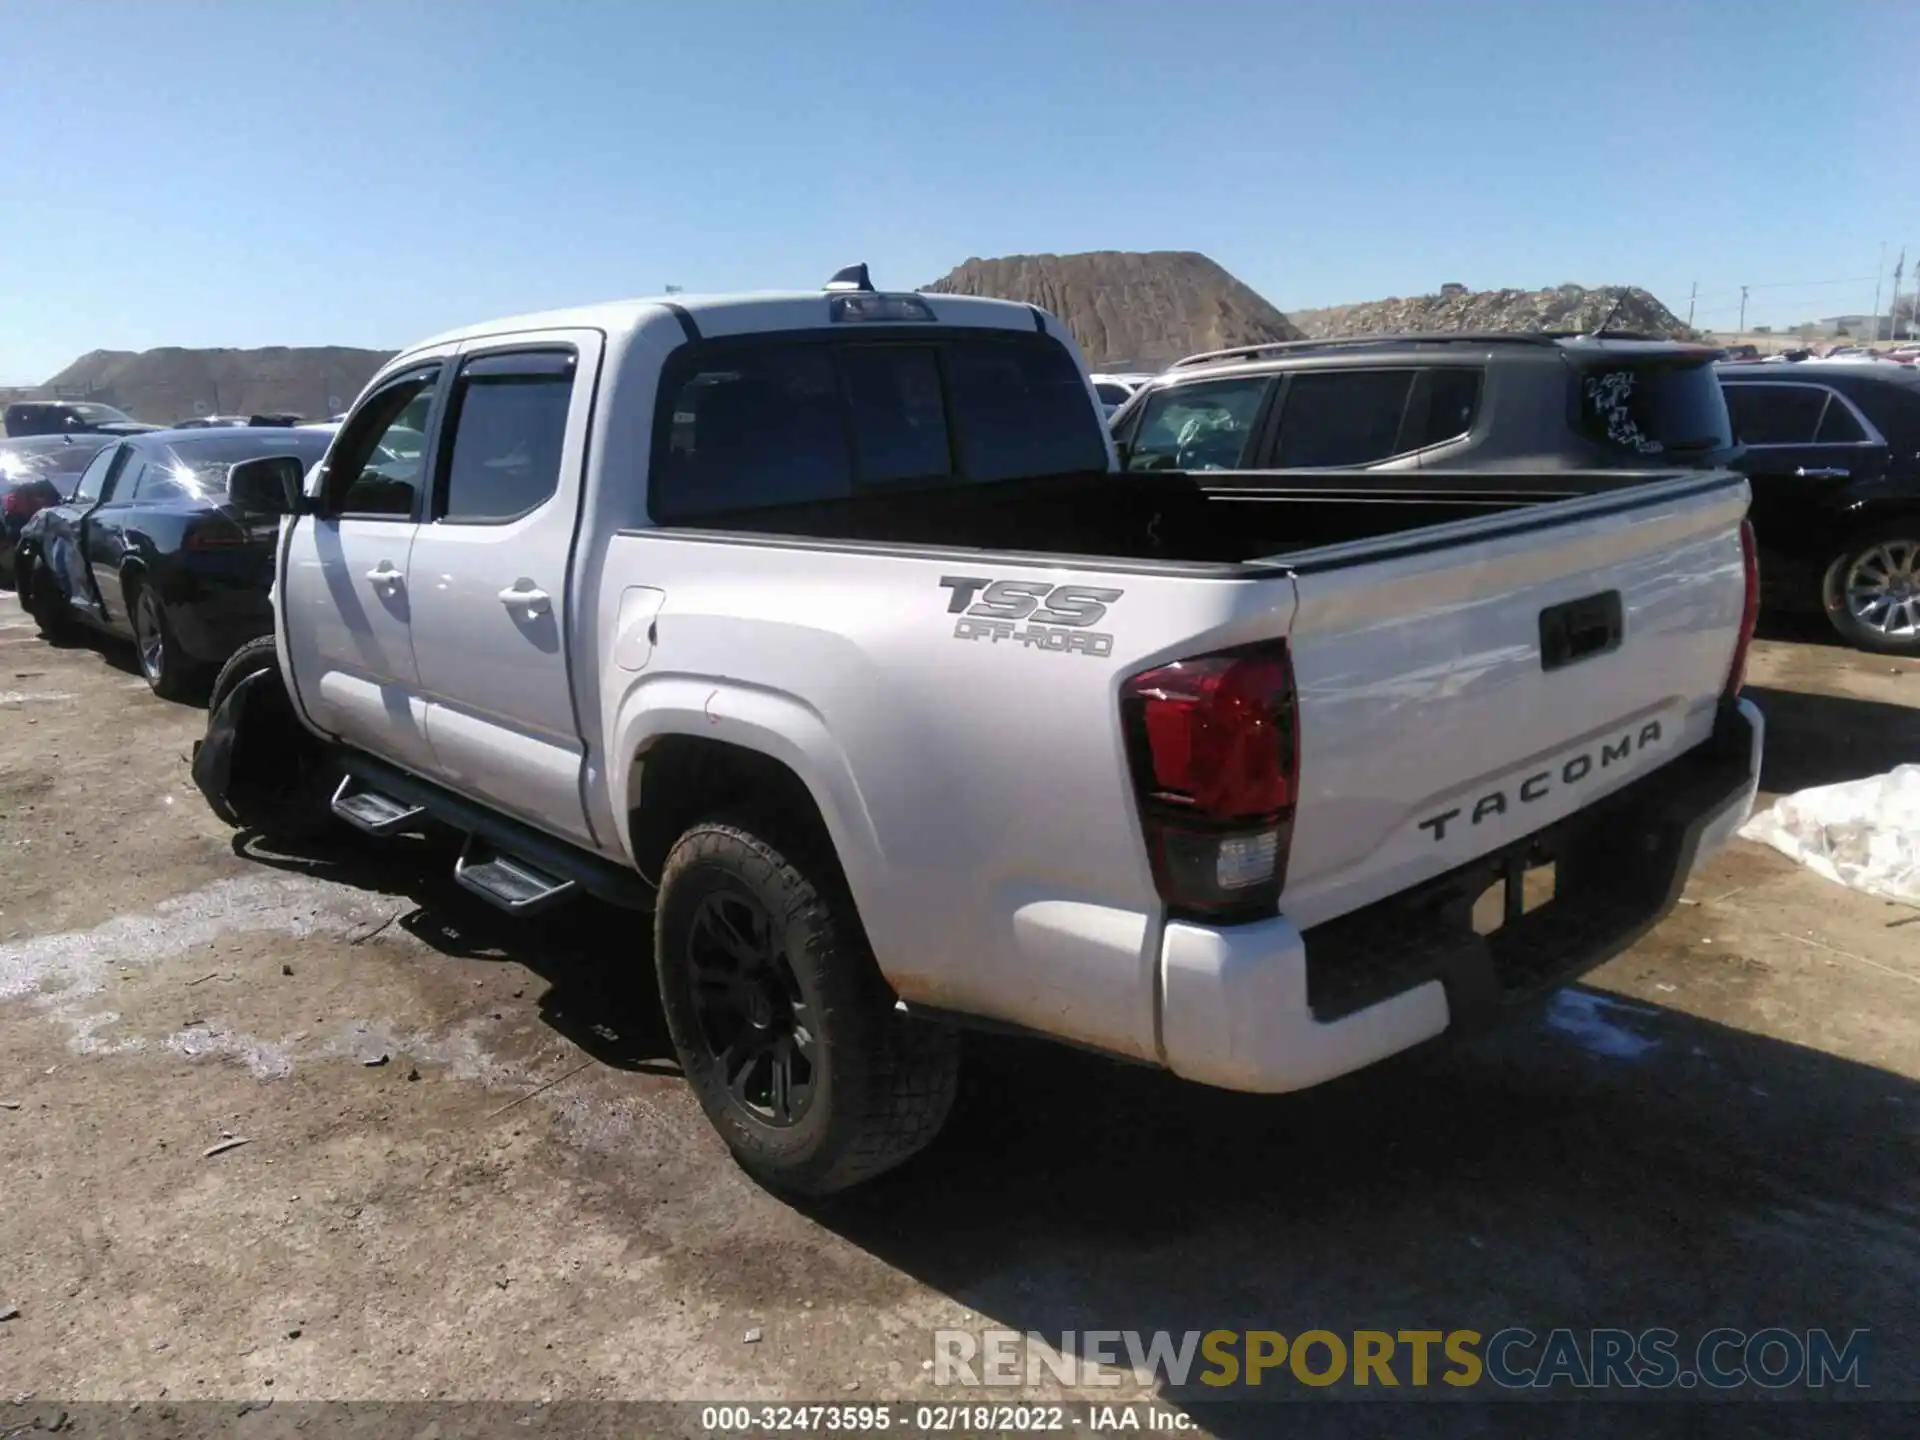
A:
(1524, 401)
(1833, 453)
(69, 417)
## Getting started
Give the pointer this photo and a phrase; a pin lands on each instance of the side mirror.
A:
(269, 485)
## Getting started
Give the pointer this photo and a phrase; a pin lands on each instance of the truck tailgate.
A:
(1464, 686)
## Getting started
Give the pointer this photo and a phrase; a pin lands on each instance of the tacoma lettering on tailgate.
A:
(1057, 617)
(1538, 786)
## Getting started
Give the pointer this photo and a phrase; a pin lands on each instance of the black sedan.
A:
(148, 546)
(1833, 452)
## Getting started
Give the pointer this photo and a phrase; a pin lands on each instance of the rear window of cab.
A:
(748, 425)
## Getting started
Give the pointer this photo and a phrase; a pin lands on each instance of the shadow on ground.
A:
(610, 1012)
(1604, 1163)
(1817, 739)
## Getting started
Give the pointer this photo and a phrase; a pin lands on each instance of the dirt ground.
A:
(470, 1169)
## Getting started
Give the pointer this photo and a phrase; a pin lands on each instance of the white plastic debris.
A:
(1863, 833)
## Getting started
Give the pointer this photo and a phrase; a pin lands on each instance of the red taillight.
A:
(1750, 616)
(1214, 745)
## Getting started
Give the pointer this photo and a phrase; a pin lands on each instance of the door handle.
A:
(1822, 472)
(535, 599)
(385, 573)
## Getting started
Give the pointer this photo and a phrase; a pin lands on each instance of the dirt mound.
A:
(1130, 309)
(1565, 307)
(175, 384)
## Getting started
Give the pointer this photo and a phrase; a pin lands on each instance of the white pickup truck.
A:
(822, 627)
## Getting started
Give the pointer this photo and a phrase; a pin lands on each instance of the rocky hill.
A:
(175, 384)
(1128, 308)
(1565, 307)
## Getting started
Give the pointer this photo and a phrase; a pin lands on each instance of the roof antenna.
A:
(854, 277)
(1601, 328)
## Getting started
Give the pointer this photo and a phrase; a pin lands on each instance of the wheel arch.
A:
(692, 747)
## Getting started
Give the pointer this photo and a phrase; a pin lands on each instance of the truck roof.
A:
(745, 314)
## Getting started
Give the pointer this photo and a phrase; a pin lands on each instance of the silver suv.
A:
(1525, 401)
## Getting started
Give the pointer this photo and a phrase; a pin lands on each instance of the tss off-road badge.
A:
(1030, 612)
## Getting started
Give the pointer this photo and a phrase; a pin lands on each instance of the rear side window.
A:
(1343, 417)
(1839, 426)
(792, 422)
(509, 423)
(1654, 408)
(1111, 394)
(1444, 407)
(1776, 414)
(1204, 426)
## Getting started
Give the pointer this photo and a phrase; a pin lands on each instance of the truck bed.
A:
(1180, 516)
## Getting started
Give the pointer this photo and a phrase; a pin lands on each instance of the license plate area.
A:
(1526, 884)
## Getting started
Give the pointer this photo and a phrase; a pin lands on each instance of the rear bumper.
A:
(217, 622)
(1267, 1007)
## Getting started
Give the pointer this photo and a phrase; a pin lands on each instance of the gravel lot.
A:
(471, 1170)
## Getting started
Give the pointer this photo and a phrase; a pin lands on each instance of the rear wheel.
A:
(1872, 591)
(171, 673)
(784, 1027)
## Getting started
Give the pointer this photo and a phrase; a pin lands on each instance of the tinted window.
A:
(899, 420)
(510, 423)
(1112, 394)
(1020, 409)
(1839, 425)
(1343, 417)
(1894, 409)
(1776, 414)
(93, 478)
(197, 469)
(1205, 426)
(761, 427)
(375, 469)
(124, 481)
(788, 422)
(1654, 408)
(1451, 399)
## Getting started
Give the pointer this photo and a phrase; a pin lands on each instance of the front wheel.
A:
(171, 674)
(783, 1025)
(1872, 590)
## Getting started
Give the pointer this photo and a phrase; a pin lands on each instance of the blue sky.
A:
(348, 172)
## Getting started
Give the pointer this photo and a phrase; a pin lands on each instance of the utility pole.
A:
(1893, 309)
(1743, 312)
(1878, 271)
(1692, 295)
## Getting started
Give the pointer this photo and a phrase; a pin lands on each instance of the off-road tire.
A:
(303, 811)
(1857, 633)
(259, 654)
(884, 1084)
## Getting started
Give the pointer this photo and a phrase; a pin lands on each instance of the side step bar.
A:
(369, 810)
(513, 865)
(515, 886)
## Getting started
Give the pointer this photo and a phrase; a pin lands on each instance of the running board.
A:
(368, 809)
(507, 881)
(545, 855)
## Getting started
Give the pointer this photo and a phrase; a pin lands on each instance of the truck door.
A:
(345, 607)
(491, 619)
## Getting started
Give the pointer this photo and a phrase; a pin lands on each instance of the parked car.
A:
(1115, 390)
(1425, 403)
(1833, 452)
(69, 417)
(822, 626)
(150, 546)
(280, 418)
(35, 472)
